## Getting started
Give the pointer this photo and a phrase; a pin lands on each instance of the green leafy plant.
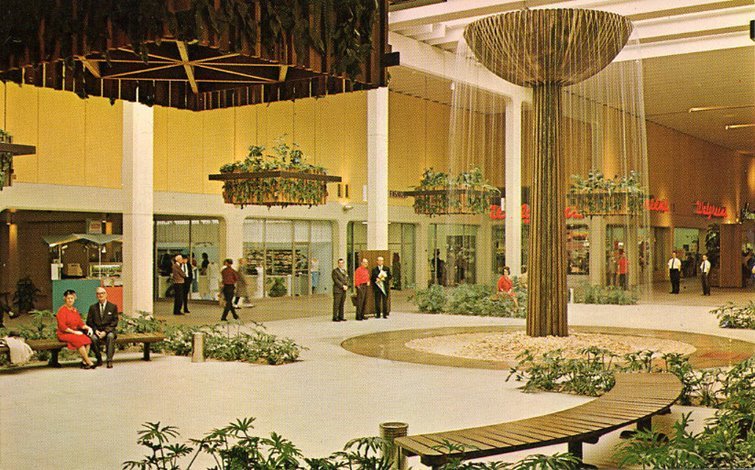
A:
(439, 193)
(586, 293)
(26, 295)
(6, 161)
(598, 195)
(713, 244)
(471, 299)
(274, 190)
(430, 300)
(733, 316)
(278, 289)
(143, 322)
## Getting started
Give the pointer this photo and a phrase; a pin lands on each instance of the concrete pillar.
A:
(513, 206)
(136, 179)
(232, 237)
(340, 248)
(377, 169)
(422, 254)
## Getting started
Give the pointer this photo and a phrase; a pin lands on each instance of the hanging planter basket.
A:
(467, 194)
(7, 151)
(275, 187)
(598, 196)
(278, 179)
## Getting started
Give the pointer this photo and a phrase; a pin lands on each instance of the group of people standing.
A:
(675, 273)
(379, 278)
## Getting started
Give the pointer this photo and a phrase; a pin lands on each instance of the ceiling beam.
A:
(92, 66)
(685, 46)
(282, 73)
(188, 68)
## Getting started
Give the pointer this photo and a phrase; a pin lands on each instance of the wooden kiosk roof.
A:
(195, 54)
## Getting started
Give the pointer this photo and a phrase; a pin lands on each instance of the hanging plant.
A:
(6, 161)
(598, 195)
(440, 194)
(281, 178)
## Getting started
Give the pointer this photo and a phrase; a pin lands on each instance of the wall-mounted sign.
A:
(656, 205)
(709, 210)
(497, 213)
(94, 226)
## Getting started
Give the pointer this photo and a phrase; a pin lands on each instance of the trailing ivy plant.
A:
(279, 190)
(466, 193)
(6, 161)
(598, 195)
(734, 316)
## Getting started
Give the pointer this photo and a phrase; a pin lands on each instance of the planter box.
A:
(451, 201)
(275, 188)
(601, 203)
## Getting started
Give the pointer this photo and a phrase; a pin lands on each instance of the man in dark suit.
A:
(188, 269)
(103, 319)
(381, 282)
(340, 289)
(179, 279)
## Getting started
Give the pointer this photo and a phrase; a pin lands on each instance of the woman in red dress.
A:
(71, 329)
(506, 286)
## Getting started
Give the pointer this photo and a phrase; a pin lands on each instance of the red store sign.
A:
(656, 205)
(709, 210)
(497, 213)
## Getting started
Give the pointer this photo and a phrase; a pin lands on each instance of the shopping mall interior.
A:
(598, 152)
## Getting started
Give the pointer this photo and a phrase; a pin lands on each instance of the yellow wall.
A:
(79, 142)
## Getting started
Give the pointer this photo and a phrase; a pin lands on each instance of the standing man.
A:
(674, 272)
(622, 269)
(229, 286)
(361, 283)
(103, 320)
(179, 279)
(340, 289)
(704, 273)
(188, 270)
(381, 280)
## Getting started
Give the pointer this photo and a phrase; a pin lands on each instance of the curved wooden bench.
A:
(54, 346)
(635, 398)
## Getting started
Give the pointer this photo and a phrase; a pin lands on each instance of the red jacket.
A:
(361, 276)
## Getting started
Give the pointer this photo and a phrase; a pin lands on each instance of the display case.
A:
(97, 271)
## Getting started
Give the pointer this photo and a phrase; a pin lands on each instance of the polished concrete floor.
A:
(74, 419)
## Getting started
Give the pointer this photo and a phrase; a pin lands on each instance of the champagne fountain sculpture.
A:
(547, 50)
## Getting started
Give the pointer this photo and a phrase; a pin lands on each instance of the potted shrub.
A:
(281, 178)
(25, 296)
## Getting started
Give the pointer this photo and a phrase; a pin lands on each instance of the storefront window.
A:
(401, 243)
(687, 246)
(578, 249)
(290, 256)
(196, 237)
(498, 237)
(454, 254)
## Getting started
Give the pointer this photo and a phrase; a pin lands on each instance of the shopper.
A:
(230, 277)
(506, 286)
(362, 283)
(103, 319)
(674, 272)
(241, 293)
(340, 289)
(314, 272)
(704, 275)
(72, 330)
(179, 279)
(188, 270)
(381, 281)
(622, 270)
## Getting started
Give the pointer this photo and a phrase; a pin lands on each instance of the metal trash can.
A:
(390, 431)
(197, 353)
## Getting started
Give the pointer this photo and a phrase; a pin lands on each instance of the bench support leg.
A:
(147, 349)
(644, 424)
(53, 362)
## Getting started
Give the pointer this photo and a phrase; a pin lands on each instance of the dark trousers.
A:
(623, 281)
(339, 298)
(675, 276)
(704, 277)
(361, 301)
(186, 290)
(228, 290)
(381, 304)
(109, 341)
(178, 298)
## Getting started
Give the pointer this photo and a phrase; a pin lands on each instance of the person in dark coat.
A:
(381, 282)
(340, 289)
(179, 279)
(103, 319)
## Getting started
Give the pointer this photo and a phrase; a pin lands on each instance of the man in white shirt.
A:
(674, 272)
(704, 273)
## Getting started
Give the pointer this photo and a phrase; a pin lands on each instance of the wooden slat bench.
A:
(635, 398)
(54, 346)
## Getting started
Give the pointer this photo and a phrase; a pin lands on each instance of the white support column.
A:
(377, 169)
(514, 185)
(340, 239)
(232, 237)
(136, 179)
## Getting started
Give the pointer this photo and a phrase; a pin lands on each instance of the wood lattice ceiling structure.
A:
(217, 68)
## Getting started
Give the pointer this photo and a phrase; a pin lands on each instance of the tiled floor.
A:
(74, 419)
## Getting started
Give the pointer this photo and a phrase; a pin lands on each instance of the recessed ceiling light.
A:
(738, 126)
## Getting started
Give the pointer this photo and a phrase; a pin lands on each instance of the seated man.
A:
(103, 319)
